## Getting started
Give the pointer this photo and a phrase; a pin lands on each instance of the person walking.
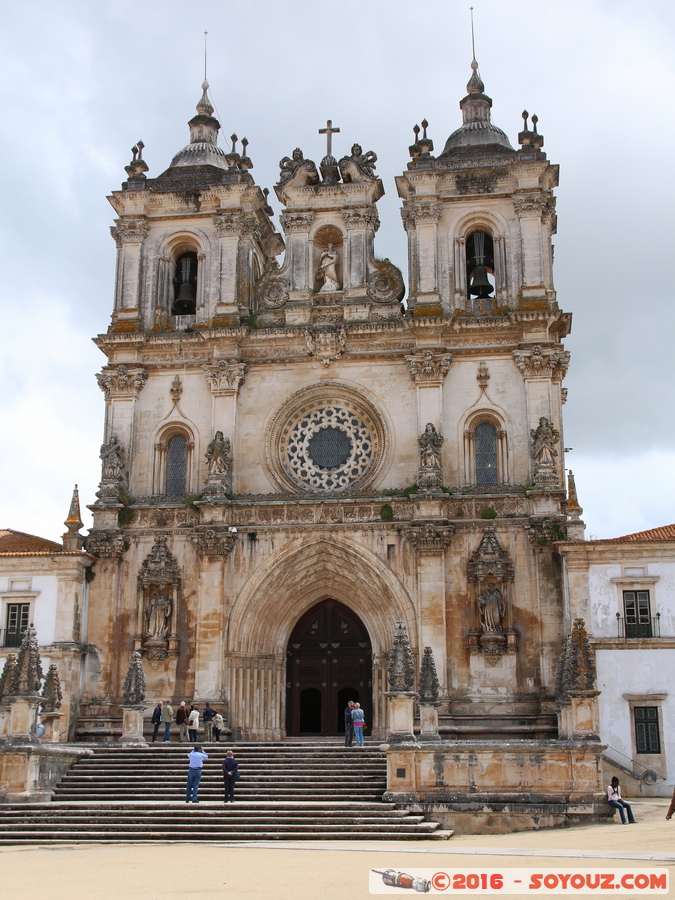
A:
(359, 722)
(208, 715)
(349, 725)
(218, 725)
(614, 799)
(230, 775)
(182, 721)
(156, 719)
(167, 718)
(193, 724)
(196, 758)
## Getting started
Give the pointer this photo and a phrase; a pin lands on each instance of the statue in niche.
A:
(218, 455)
(328, 272)
(544, 439)
(491, 608)
(430, 443)
(158, 615)
(365, 161)
(112, 456)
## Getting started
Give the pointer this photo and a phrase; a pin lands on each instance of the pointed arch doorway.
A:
(329, 663)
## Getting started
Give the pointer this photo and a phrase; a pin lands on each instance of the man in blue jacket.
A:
(197, 758)
(208, 715)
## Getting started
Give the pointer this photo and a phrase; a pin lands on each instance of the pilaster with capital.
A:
(297, 266)
(531, 207)
(421, 218)
(428, 369)
(361, 224)
(225, 378)
(231, 227)
(129, 235)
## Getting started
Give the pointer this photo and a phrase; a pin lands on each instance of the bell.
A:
(184, 304)
(480, 285)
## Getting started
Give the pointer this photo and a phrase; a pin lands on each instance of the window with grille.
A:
(176, 465)
(486, 454)
(647, 738)
(17, 622)
(637, 614)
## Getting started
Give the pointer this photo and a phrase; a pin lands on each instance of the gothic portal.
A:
(297, 454)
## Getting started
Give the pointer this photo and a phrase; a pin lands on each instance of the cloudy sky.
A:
(82, 82)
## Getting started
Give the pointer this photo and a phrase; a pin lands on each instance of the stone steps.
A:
(288, 791)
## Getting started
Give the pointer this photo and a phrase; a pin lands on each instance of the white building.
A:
(624, 588)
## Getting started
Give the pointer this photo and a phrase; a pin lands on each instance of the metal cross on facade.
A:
(329, 131)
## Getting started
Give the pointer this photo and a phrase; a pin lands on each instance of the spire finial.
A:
(473, 42)
(205, 37)
(72, 540)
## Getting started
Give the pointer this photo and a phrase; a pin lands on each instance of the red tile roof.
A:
(665, 533)
(13, 543)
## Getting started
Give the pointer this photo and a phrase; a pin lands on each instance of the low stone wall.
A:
(487, 787)
(29, 771)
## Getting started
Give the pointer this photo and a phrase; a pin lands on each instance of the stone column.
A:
(576, 693)
(428, 694)
(401, 696)
(133, 706)
(129, 235)
(229, 225)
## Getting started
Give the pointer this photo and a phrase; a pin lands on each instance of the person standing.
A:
(182, 720)
(196, 758)
(156, 719)
(359, 722)
(208, 715)
(230, 775)
(218, 725)
(193, 724)
(614, 799)
(671, 808)
(349, 725)
(167, 718)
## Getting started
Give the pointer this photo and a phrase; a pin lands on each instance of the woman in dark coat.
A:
(230, 775)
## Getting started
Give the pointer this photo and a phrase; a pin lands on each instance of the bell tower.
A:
(479, 216)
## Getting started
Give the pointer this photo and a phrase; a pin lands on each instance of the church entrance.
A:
(328, 664)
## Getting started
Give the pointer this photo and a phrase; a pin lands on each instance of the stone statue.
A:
(158, 615)
(218, 456)
(491, 608)
(365, 161)
(112, 456)
(134, 684)
(544, 439)
(328, 272)
(430, 443)
(290, 166)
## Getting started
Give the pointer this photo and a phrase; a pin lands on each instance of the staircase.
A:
(287, 791)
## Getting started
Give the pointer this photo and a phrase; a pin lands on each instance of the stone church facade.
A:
(294, 459)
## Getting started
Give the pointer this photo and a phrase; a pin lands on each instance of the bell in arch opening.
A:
(185, 286)
(480, 265)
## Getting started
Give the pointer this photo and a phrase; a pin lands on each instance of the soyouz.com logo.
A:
(532, 881)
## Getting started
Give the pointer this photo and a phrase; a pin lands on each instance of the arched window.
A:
(176, 465)
(486, 454)
(185, 285)
(480, 265)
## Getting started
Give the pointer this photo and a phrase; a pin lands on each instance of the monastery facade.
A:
(298, 453)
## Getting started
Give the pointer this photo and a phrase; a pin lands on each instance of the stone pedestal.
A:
(132, 726)
(401, 713)
(429, 721)
(23, 717)
(52, 726)
(580, 718)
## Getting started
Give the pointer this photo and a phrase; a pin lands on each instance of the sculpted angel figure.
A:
(491, 608)
(544, 439)
(365, 161)
(289, 166)
(327, 270)
(218, 455)
(158, 615)
(430, 443)
(112, 456)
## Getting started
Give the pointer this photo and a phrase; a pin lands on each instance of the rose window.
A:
(326, 439)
